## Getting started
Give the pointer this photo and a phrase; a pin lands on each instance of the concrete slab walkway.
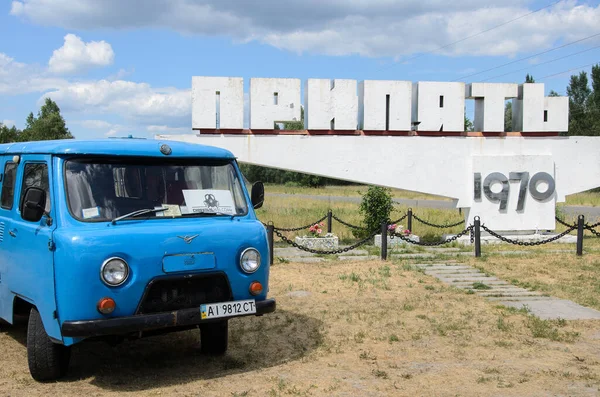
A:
(506, 294)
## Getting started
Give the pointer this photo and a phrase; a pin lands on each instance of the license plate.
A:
(227, 309)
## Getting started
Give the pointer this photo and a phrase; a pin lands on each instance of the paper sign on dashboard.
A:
(209, 200)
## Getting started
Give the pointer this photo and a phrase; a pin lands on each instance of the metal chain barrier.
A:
(332, 252)
(449, 240)
(348, 224)
(591, 229)
(295, 229)
(595, 225)
(438, 226)
(403, 217)
(528, 243)
(565, 223)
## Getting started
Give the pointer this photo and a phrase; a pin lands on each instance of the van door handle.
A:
(13, 232)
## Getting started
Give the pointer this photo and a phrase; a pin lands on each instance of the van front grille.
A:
(184, 292)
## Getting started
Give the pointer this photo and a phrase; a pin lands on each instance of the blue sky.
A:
(118, 67)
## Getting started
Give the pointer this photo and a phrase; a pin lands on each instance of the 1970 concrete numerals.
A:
(524, 183)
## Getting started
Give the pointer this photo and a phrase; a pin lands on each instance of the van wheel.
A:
(47, 360)
(214, 338)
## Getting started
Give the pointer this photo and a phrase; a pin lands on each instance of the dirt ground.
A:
(362, 329)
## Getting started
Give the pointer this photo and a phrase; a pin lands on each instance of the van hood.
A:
(152, 248)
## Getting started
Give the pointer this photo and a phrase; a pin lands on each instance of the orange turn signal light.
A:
(106, 305)
(256, 288)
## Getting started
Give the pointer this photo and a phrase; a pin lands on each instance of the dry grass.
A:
(348, 191)
(366, 329)
(586, 198)
(591, 199)
(290, 212)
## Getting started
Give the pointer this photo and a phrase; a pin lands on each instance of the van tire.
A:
(47, 360)
(214, 338)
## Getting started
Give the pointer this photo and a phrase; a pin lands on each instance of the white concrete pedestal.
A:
(394, 242)
(328, 242)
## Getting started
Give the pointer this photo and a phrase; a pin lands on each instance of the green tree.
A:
(49, 124)
(529, 78)
(580, 94)
(8, 135)
(508, 116)
(468, 124)
(375, 207)
(594, 100)
(295, 125)
(595, 95)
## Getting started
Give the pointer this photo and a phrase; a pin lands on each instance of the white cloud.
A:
(76, 56)
(139, 102)
(337, 27)
(112, 132)
(102, 127)
(167, 129)
(20, 78)
(8, 123)
(135, 101)
(120, 75)
(95, 124)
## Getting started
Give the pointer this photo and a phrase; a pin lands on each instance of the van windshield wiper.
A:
(133, 214)
(192, 214)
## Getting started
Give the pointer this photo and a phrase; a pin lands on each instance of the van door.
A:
(31, 272)
(8, 179)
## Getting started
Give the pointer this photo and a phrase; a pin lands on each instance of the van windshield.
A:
(101, 190)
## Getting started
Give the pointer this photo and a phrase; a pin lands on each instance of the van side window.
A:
(8, 186)
(35, 175)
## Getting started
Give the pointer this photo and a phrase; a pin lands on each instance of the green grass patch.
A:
(481, 286)
(547, 329)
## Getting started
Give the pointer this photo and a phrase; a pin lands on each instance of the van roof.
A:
(115, 147)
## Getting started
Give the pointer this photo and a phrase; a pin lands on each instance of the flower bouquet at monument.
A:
(316, 230)
(317, 239)
(398, 229)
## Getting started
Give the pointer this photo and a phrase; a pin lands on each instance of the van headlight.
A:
(250, 260)
(114, 271)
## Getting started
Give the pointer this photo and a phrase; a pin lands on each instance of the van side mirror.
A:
(258, 194)
(34, 204)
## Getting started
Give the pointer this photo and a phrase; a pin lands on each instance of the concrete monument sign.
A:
(373, 105)
(511, 181)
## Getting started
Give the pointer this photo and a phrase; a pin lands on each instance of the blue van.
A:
(122, 238)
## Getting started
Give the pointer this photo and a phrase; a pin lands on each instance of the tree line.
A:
(49, 124)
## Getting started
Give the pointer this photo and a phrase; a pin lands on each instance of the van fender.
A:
(22, 306)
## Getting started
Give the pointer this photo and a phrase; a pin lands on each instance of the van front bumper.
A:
(148, 322)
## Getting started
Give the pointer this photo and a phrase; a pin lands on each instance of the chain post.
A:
(384, 230)
(270, 232)
(410, 216)
(477, 233)
(580, 226)
(329, 214)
